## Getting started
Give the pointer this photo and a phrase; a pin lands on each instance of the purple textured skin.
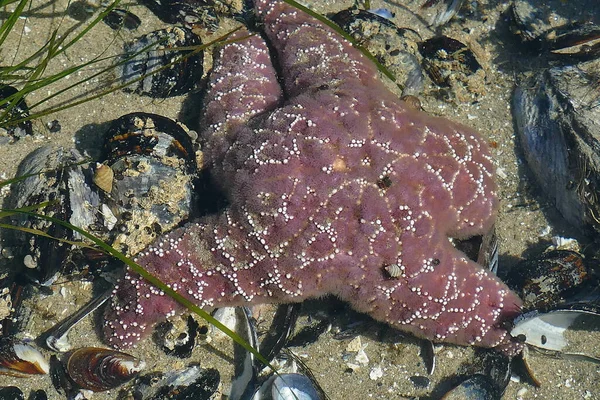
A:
(331, 181)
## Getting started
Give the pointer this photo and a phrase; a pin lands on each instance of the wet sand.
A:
(525, 225)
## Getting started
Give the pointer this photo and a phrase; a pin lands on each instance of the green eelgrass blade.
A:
(150, 278)
(10, 22)
(34, 207)
(63, 47)
(222, 40)
(38, 232)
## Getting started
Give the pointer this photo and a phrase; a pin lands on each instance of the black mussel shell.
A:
(550, 279)
(445, 57)
(119, 18)
(578, 38)
(148, 134)
(54, 126)
(482, 249)
(54, 175)
(153, 172)
(181, 69)
(21, 359)
(38, 395)
(278, 335)
(477, 387)
(11, 393)
(81, 10)
(193, 383)
(197, 13)
(556, 114)
(99, 369)
(245, 371)
(396, 48)
(13, 110)
(60, 379)
(202, 388)
(188, 12)
(438, 12)
(580, 42)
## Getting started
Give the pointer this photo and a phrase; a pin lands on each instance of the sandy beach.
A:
(525, 226)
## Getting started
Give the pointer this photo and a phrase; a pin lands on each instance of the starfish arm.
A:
(311, 55)
(242, 85)
(213, 262)
(438, 294)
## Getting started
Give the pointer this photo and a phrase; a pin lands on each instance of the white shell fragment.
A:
(287, 387)
(21, 359)
(546, 330)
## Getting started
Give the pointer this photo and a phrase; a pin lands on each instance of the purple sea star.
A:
(332, 182)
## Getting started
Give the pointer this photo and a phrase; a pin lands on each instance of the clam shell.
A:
(21, 359)
(99, 369)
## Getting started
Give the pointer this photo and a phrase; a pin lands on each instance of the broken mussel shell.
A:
(558, 332)
(449, 62)
(555, 30)
(554, 278)
(141, 187)
(190, 383)
(438, 12)
(13, 108)
(160, 68)
(476, 387)
(148, 134)
(119, 18)
(253, 380)
(99, 369)
(56, 176)
(196, 14)
(287, 386)
(21, 359)
(556, 116)
(178, 336)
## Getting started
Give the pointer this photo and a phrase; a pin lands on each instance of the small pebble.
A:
(54, 126)
(361, 357)
(354, 345)
(375, 373)
(420, 382)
